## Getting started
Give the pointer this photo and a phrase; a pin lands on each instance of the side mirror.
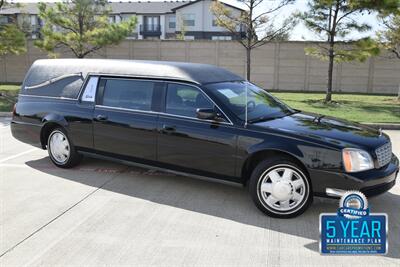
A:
(206, 113)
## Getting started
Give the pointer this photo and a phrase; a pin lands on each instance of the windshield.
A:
(260, 104)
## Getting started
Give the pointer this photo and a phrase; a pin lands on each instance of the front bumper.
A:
(371, 183)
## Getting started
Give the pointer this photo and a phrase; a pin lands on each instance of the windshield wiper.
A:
(294, 111)
(264, 118)
(267, 118)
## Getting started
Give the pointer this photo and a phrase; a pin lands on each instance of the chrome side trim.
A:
(26, 123)
(195, 119)
(50, 97)
(141, 77)
(149, 112)
(161, 113)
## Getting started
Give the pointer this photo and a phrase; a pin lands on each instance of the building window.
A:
(172, 22)
(4, 19)
(114, 19)
(7, 19)
(33, 20)
(221, 38)
(188, 19)
(152, 24)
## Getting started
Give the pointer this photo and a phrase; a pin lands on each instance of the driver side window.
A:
(184, 100)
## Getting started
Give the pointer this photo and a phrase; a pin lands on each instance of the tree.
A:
(382, 6)
(12, 38)
(81, 26)
(333, 20)
(182, 32)
(389, 38)
(259, 25)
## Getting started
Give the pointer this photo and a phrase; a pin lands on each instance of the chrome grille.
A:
(384, 154)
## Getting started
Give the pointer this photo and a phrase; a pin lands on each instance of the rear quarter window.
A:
(68, 87)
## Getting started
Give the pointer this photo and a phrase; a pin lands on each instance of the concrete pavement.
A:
(102, 213)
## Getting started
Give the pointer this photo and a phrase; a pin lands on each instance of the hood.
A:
(338, 132)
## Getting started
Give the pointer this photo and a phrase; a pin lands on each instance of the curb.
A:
(5, 114)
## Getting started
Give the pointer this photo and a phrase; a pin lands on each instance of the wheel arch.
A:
(49, 123)
(255, 158)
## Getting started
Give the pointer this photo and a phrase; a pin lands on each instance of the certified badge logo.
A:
(353, 205)
(353, 229)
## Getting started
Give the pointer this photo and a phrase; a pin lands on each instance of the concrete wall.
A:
(279, 66)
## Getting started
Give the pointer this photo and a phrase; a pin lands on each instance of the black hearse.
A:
(198, 120)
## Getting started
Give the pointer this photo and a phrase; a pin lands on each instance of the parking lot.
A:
(102, 213)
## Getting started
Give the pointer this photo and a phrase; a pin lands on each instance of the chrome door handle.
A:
(168, 128)
(102, 117)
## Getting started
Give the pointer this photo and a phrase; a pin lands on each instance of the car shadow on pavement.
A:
(215, 199)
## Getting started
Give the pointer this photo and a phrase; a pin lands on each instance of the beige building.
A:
(156, 20)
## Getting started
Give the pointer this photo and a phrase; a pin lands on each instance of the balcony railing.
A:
(150, 29)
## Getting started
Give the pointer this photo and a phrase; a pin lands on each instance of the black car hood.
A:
(339, 132)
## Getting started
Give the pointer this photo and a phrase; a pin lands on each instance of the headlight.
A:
(356, 160)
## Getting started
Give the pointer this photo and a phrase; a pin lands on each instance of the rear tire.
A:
(61, 150)
(280, 188)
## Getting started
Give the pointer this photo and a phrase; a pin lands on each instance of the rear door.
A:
(125, 123)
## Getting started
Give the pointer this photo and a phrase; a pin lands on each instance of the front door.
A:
(124, 121)
(190, 144)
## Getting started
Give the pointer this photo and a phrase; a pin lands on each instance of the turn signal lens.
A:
(356, 160)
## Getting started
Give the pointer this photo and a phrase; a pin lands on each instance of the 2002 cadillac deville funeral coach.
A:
(198, 120)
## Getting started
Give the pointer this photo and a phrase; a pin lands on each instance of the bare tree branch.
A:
(346, 15)
(255, 25)
(396, 53)
(273, 10)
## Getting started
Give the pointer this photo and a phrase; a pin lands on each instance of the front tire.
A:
(61, 150)
(280, 188)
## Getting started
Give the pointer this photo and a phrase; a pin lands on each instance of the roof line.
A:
(167, 6)
(193, 2)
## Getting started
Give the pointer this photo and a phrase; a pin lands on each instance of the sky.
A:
(300, 33)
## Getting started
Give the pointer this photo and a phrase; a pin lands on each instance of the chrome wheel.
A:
(283, 188)
(59, 147)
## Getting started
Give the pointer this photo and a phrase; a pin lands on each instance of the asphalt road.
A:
(102, 213)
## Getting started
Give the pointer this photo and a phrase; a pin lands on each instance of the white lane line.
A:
(18, 155)
(12, 165)
(60, 215)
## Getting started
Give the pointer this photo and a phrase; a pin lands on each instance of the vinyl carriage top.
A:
(47, 69)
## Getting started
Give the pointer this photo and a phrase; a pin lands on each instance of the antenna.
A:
(245, 109)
